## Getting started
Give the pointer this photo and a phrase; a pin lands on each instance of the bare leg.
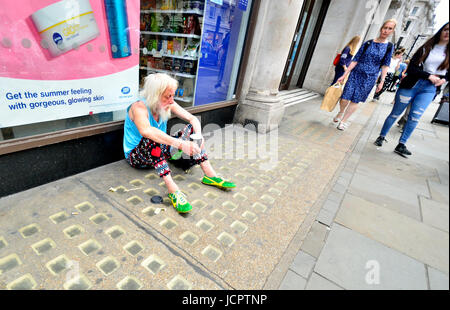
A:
(352, 107)
(342, 106)
(172, 187)
(208, 169)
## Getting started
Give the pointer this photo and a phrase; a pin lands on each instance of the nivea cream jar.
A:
(65, 25)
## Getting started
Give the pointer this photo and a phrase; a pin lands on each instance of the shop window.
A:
(197, 42)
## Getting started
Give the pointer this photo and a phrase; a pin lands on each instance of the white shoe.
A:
(342, 126)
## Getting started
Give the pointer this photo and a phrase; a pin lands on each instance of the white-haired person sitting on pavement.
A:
(146, 142)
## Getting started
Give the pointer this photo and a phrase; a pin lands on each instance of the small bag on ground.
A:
(332, 96)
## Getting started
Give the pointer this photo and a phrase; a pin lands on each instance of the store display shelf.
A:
(159, 55)
(185, 75)
(193, 11)
(171, 34)
(184, 99)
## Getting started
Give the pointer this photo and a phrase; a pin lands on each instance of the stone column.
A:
(378, 18)
(274, 31)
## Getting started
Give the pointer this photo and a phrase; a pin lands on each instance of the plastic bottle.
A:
(116, 15)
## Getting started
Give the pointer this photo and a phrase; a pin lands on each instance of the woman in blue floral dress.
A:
(364, 69)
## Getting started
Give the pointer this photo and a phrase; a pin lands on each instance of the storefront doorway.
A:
(306, 35)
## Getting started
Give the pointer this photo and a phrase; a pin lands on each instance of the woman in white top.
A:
(427, 72)
(395, 63)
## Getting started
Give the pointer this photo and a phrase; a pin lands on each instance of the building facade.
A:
(245, 54)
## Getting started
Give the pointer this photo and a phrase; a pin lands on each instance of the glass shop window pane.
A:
(221, 50)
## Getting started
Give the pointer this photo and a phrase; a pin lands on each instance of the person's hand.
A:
(380, 86)
(434, 79)
(341, 79)
(440, 82)
(190, 148)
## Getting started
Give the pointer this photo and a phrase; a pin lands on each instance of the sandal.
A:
(338, 119)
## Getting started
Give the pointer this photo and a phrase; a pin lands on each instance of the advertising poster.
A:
(67, 58)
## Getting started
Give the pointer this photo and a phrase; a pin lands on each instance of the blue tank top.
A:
(132, 136)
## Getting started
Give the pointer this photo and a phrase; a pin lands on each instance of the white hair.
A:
(154, 87)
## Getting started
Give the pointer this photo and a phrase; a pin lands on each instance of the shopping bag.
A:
(332, 96)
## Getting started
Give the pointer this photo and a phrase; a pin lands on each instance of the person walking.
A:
(393, 67)
(426, 73)
(346, 58)
(399, 75)
(363, 71)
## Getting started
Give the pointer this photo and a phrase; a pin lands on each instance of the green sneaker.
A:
(218, 182)
(180, 202)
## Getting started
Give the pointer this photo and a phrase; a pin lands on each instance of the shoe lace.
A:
(181, 198)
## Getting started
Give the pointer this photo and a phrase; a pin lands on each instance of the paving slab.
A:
(438, 279)
(355, 262)
(319, 283)
(303, 264)
(415, 239)
(293, 281)
(386, 195)
(439, 192)
(435, 213)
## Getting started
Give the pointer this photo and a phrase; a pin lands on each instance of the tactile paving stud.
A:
(151, 192)
(275, 191)
(226, 239)
(152, 176)
(267, 199)
(212, 253)
(205, 225)
(129, 283)
(43, 246)
(198, 204)
(135, 200)
(58, 265)
(73, 231)
(9, 262)
(179, 283)
(211, 196)
(29, 230)
(84, 206)
(194, 186)
(239, 227)
(25, 282)
(89, 247)
(79, 282)
(189, 237)
(98, 218)
(59, 217)
(133, 248)
(153, 264)
(121, 189)
(137, 182)
(3, 243)
(240, 197)
(218, 215)
(168, 223)
(115, 232)
(250, 216)
(108, 265)
(229, 205)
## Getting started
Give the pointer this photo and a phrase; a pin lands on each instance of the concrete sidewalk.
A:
(314, 208)
(385, 222)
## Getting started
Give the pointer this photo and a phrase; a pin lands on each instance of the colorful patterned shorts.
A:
(149, 154)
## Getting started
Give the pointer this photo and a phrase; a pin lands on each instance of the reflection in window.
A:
(221, 50)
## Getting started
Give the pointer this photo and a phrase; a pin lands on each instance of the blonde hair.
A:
(392, 20)
(154, 86)
(353, 44)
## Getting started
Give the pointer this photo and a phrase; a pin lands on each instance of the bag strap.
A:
(388, 51)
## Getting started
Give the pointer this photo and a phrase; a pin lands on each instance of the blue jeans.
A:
(420, 97)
